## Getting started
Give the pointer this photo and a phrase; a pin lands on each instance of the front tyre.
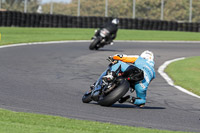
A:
(116, 94)
(94, 43)
(86, 98)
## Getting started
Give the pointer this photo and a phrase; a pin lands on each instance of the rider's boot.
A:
(132, 100)
(141, 106)
(129, 99)
(110, 42)
(125, 99)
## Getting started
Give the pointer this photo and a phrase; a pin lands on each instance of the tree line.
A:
(174, 10)
(18, 5)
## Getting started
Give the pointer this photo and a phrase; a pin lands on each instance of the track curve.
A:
(51, 79)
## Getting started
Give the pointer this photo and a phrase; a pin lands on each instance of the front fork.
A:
(98, 86)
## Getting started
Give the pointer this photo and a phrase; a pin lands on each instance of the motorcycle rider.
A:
(112, 27)
(139, 70)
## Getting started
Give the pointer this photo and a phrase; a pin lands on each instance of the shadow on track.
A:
(129, 106)
(133, 106)
(112, 50)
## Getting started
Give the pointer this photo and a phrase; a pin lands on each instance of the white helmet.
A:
(148, 55)
(115, 21)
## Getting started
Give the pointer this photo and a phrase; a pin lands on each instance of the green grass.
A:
(157, 35)
(15, 122)
(186, 73)
(18, 122)
(20, 35)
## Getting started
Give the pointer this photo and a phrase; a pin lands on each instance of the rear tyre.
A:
(116, 94)
(86, 98)
(93, 45)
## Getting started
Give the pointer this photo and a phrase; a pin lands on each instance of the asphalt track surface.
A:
(51, 79)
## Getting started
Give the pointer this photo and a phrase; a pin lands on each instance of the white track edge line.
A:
(35, 43)
(70, 41)
(142, 41)
(169, 80)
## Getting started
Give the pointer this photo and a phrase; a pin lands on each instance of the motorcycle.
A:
(100, 39)
(109, 92)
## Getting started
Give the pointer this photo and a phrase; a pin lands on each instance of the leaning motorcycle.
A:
(99, 40)
(109, 92)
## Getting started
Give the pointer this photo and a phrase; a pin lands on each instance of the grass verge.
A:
(20, 35)
(186, 73)
(15, 122)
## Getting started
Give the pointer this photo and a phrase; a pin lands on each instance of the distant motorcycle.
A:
(100, 39)
(110, 91)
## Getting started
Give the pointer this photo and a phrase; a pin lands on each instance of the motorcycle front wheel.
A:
(86, 98)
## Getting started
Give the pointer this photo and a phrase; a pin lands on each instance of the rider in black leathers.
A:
(112, 27)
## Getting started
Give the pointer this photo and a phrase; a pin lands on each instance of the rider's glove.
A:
(110, 59)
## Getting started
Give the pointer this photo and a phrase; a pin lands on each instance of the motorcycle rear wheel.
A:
(116, 94)
(94, 43)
